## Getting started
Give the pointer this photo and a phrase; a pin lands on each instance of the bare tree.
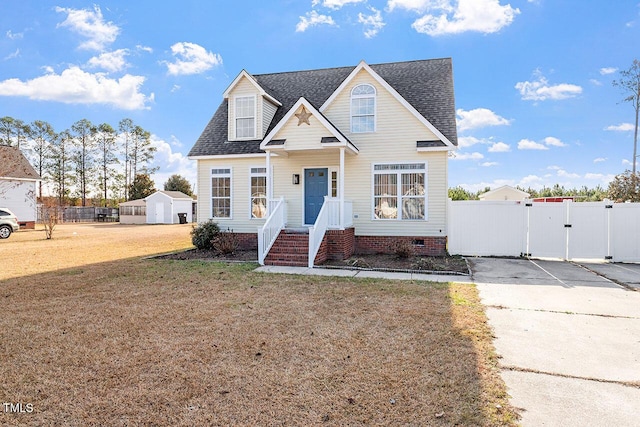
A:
(13, 131)
(106, 139)
(42, 136)
(630, 84)
(61, 165)
(126, 128)
(142, 152)
(84, 141)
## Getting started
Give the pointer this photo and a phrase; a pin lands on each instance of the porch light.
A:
(295, 179)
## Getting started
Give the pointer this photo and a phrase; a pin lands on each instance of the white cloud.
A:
(335, 4)
(564, 174)
(484, 16)
(372, 23)
(91, 25)
(313, 19)
(479, 118)
(144, 48)
(191, 59)
(420, 5)
(526, 144)
(468, 141)
(15, 54)
(468, 156)
(554, 142)
(489, 164)
(499, 147)
(608, 70)
(110, 61)
(14, 36)
(595, 82)
(75, 86)
(600, 160)
(171, 162)
(540, 90)
(622, 127)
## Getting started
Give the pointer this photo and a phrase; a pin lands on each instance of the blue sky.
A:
(533, 78)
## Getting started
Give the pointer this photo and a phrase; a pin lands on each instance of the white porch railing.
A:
(328, 217)
(317, 230)
(268, 233)
(333, 206)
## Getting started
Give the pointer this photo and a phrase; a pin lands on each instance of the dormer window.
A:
(245, 117)
(363, 109)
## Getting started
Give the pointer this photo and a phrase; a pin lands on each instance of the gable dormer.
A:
(250, 108)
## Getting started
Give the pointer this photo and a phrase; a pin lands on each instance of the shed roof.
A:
(137, 202)
(427, 85)
(13, 164)
(178, 195)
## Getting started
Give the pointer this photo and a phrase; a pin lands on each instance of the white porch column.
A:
(341, 187)
(269, 183)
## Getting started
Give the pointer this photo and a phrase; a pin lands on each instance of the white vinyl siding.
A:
(258, 191)
(245, 108)
(221, 193)
(394, 141)
(363, 109)
(269, 110)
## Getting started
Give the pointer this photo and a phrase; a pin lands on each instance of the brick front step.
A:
(291, 248)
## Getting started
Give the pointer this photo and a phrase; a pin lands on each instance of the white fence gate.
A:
(594, 230)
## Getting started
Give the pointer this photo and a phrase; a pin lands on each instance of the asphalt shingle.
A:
(426, 84)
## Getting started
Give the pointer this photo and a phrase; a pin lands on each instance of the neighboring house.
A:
(165, 207)
(133, 212)
(340, 160)
(18, 181)
(505, 192)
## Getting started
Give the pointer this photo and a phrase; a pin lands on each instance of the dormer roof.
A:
(244, 75)
(426, 86)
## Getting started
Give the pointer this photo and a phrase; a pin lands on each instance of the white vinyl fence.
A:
(568, 230)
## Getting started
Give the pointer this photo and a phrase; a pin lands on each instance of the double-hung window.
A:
(221, 193)
(258, 192)
(399, 191)
(245, 117)
(363, 109)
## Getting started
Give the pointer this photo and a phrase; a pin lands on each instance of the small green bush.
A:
(203, 234)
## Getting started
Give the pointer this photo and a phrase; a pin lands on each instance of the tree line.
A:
(624, 188)
(84, 159)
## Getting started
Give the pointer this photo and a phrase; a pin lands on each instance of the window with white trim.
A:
(363, 109)
(399, 191)
(221, 193)
(245, 117)
(258, 192)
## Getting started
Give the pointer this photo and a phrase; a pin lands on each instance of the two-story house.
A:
(317, 164)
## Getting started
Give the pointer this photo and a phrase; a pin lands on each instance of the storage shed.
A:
(166, 207)
(505, 192)
(133, 212)
(18, 182)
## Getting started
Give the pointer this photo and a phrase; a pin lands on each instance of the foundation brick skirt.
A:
(422, 245)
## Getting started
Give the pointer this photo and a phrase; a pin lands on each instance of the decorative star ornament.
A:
(303, 116)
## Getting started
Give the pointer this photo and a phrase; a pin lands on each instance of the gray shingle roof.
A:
(13, 164)
(427, 85)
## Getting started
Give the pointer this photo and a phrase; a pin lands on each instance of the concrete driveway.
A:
(568, 337)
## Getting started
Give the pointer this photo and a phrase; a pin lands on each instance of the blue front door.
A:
(315, 188)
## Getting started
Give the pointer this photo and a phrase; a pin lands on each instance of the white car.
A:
(8, 223)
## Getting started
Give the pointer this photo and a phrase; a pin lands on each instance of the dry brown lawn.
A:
(93, 334)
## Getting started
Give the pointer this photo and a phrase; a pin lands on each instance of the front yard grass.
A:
(159, 342)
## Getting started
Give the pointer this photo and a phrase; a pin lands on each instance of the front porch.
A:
(332, 236)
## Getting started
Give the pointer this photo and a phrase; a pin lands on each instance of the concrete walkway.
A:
(318, 271)
(569, 341)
